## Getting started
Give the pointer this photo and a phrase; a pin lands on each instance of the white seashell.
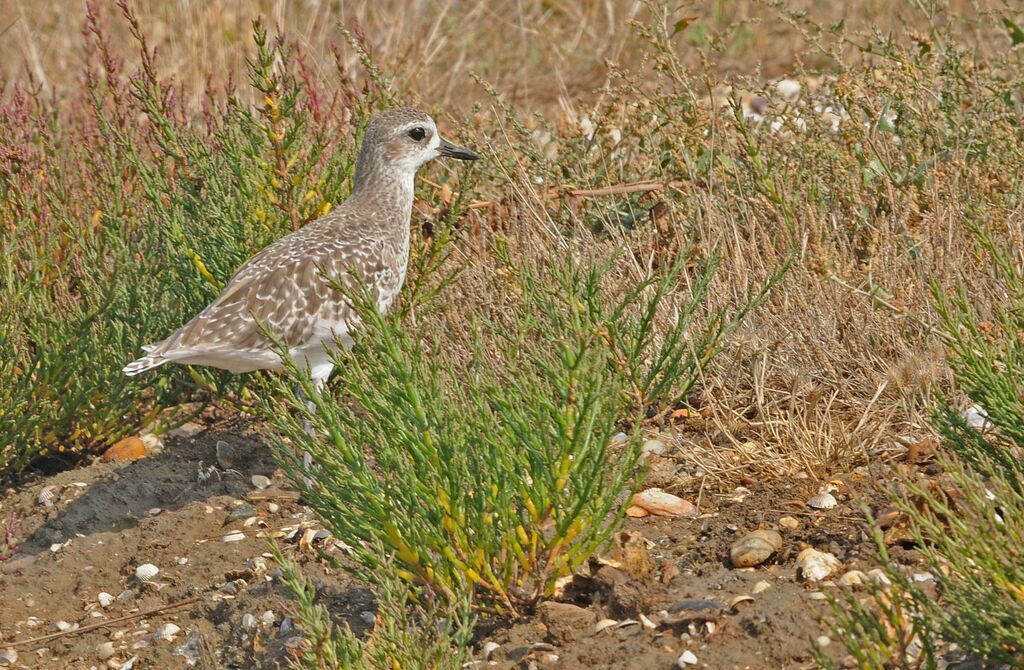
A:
(105, 599)
(233, 537)
(603, 624)
(823, 640)
(273, 507)
(627, 622)
(166, 631)
(490, 648)
(181, 560)
(823, 500)
(47, 496)
(267, 617)
(146, 572)
(761, 587)
(852, 578)
(686, 658)
(8, 657)
(647, 623)
(816, 595)
(788, 89)
(743, 598)
(248, 621)
(923, 577)
(977, 418)
(816, 565)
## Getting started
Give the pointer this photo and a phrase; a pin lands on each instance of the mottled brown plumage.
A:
(286, 288)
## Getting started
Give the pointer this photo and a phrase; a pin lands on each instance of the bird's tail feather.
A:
(143, 364)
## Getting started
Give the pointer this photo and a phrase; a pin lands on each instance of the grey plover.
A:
(287, 288)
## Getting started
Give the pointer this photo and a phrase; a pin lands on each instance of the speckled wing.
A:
(285, 289)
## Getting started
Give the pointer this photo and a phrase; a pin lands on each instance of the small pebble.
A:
(233, 537)
(243, 511)
(32, 622)
(260, 481)
(8, 657)
(686, 658)
(62, 626)
(273, 507)
(823, 641)
(105, 650)
(181, 560)
(248, 621)
(789, 523)
(153, 511)
(656, 447)
(126, 595)
(267, 617)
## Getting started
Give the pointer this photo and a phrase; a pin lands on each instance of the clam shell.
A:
(603, 624)
(146, 572)
(823, 500)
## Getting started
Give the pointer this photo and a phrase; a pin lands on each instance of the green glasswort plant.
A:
(407, 633)
(970, 531)
(487, 465)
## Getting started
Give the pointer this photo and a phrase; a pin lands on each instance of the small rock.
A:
(126, 595)
(816, 565)
(286, 626)
(233, 537)
(273, 507)
(181, 560)
(248, 621)
(620, 438)
(686, 658)
(267, 617)
(660, 503)
(8, 657)
(243, 511)
(565, 622)
(754, 548)
(62, 626)
(823, 641)
(146, 572)
(105, 599)
(128, 449)
(105, 650)
(229, 457)
(789, 523)
(32, 622)
(655, 447)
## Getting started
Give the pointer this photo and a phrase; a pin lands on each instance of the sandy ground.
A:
(86, 531)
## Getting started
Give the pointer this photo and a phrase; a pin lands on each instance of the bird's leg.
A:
(319, 382)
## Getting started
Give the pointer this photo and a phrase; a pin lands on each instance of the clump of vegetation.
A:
(970, 528)
(407, 632)
(480, 454)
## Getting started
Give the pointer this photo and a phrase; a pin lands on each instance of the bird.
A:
(290, 289)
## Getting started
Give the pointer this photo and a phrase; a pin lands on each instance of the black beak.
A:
(449, 150)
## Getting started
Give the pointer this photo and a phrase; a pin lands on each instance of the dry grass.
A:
(843, 359)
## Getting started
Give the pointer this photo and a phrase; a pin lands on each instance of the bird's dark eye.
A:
(417, 133)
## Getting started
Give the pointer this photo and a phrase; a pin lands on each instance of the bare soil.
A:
(85, 531)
